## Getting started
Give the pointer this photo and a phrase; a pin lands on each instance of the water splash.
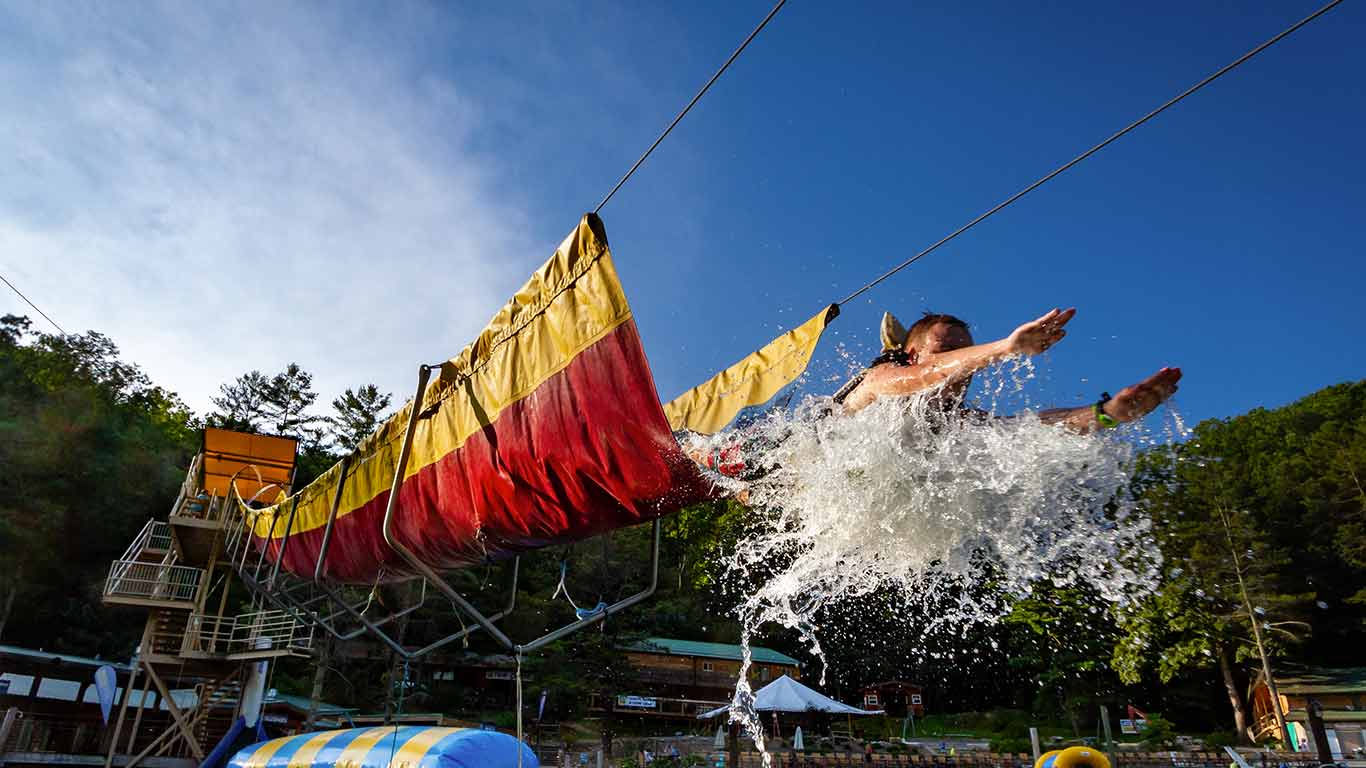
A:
(907, 498)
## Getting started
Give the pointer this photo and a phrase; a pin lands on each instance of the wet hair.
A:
(929, 320)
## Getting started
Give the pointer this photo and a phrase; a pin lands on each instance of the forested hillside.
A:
(1259, 518)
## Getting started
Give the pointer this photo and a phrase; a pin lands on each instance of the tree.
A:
(1255, 519)
(242, 404)
(287, 398)
(91, 449)
(357, 413)
(1063, 636)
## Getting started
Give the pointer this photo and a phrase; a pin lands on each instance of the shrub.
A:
(1159, 734)
(1220, 739)
(1010, 744)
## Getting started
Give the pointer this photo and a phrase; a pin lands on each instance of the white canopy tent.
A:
(788, 695)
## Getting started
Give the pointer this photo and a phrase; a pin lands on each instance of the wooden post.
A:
(1320, 731)
(137, 719)
(181, 722)
(733, 746)
(123, 708)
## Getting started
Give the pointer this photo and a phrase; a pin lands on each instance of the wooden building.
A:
(895, 697)
(681, 678)
(1340, 692)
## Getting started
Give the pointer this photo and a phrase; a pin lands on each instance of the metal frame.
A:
(300, 608)
(430, 574)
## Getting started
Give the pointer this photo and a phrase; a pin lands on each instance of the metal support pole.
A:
(319, 570)
(265, 546)
(568, 629)
(415, 413)
(289, 528)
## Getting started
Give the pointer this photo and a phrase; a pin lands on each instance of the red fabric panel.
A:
(587, 452)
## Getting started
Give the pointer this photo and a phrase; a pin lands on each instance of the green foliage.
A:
(241, 404)
(1160, 734)
(356, 414)
(1071, 640)
(1220, 739)
(1010, 745)
(1258, 519)
(91, 450)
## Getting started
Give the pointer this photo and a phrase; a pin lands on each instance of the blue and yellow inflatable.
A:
(388, 747)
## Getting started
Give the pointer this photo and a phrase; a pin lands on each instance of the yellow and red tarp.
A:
(546, 429)
(711, 405)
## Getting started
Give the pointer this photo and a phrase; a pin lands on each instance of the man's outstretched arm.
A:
(1130, 404)
(930, 369)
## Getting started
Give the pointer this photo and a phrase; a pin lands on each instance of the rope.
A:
(398, 714)
(1226, 69)
(563, 589)
(694, 101)
(63, 332)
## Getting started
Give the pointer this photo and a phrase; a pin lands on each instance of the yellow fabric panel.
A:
(417, 746)
(354, 753)
(709, 407)
(571, 302)
(303, 756)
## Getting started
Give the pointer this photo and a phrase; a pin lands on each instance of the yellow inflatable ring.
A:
(1081, 757)
(1046, 759)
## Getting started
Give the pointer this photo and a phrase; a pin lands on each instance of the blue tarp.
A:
(235, 739)
(379, 747)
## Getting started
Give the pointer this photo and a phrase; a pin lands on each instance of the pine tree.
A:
(242, 404)
(288, 395)
(358, 412)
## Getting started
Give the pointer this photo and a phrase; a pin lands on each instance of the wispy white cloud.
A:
(234, 188)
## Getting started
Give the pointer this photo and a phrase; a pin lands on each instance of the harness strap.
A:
(893, 356)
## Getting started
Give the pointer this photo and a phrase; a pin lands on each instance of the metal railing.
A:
(189, 485)
(260, 632)
(154, 535)
(153, 581)
(159, 537)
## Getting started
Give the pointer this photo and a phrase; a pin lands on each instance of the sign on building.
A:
(637, 702)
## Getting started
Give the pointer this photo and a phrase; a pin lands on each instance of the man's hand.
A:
(1137, 401)
(1036, 336)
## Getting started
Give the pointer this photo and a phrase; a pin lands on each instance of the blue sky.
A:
(358, 190)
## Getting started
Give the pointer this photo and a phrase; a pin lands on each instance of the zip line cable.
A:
(1093, 150)
(35, 306)
(694, 101)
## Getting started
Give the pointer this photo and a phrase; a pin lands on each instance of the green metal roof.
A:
(302, 703)
(672, 647)
(1339, 680)
(60, 658)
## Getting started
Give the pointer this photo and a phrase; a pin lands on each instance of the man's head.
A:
(934, 333)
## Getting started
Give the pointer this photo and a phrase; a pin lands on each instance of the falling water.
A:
(904, 498)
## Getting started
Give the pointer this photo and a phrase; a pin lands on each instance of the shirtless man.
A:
(938, 351)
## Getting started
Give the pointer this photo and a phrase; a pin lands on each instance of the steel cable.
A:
(1227, 68)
